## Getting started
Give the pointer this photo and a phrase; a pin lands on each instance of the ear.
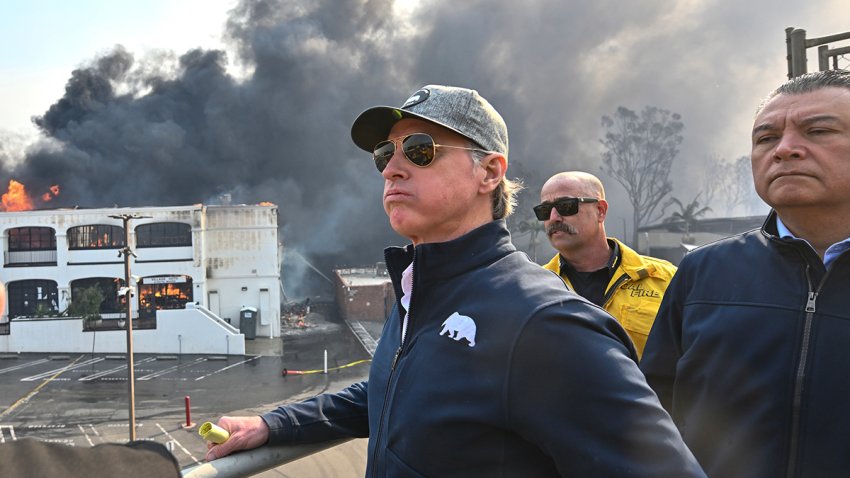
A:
(494, 165)
(602, 209)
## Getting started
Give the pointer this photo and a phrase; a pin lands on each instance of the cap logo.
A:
(417, 98)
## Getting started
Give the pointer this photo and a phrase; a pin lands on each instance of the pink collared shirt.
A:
(406, 291)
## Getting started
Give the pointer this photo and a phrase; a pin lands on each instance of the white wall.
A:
(235, 254)
(242, 263)
(178, 331)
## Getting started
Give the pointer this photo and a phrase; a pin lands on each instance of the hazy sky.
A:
(42, 41)
(256, 97)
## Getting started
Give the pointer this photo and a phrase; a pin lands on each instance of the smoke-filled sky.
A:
(172, 103)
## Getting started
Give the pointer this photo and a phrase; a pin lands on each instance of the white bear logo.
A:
(460, 327)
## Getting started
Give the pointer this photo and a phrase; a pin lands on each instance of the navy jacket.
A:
(503, 372)
(750, 353)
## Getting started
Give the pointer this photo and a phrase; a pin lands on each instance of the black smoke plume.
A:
(268, 117)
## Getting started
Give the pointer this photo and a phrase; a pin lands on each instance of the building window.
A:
(32, 239)
(108, 288)
(164, 234)
(33, 298)
(163, 292)
(96, 236)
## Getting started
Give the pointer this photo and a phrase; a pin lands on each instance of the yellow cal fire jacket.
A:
(635, 291)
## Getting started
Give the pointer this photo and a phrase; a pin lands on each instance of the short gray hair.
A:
(810, 82)
(504, 196)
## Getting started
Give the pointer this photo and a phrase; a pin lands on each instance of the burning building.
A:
(197, 270)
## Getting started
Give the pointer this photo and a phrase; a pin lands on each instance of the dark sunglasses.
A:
(564, 206)
(418, 148)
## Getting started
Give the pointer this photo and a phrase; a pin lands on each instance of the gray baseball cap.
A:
(461, 110)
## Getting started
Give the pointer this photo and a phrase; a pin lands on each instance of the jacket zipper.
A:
(610, 292)
(398, 351)
(811, 308)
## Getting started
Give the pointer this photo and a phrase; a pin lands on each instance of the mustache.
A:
(562, 227)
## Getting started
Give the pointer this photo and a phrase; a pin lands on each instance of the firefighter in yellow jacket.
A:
(603, 270)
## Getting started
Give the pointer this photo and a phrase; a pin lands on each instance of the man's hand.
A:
(245, 433)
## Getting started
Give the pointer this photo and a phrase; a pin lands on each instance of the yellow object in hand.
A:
(213, 433)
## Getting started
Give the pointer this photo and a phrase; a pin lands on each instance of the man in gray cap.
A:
(462, 381)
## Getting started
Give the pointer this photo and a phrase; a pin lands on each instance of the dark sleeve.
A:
(321, 418)
(27, 457)
(664, 345)
(575, 390)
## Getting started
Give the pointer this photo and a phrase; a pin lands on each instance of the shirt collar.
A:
(783, 231)
(406, 286)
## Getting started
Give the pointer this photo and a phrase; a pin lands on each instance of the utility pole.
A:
(796, 44)
(127, 291)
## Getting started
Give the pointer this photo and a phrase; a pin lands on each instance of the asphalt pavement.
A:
(83, 399)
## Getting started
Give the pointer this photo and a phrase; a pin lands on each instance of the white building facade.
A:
(215, 267)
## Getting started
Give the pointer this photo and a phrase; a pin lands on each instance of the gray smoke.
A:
(181, 128)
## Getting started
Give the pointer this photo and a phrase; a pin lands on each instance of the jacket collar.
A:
(631, 263)
(771, 231)
(442, 260)
(769, 227)
(634, 265)
(808, 254)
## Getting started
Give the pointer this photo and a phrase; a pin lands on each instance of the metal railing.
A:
(209, 314)
(258, 460)
(22, 258)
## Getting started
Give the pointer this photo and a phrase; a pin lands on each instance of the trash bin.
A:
(248, 322)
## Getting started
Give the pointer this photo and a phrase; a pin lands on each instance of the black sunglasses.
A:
(564, 206)
(418, 148)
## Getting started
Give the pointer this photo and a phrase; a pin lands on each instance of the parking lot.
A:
(82, 399)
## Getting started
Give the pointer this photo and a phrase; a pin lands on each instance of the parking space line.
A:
(178, 443)
(34, 391)
(139, 425)
(11, 433)
(113, 370)
(83, 431)
(171, 369)
(96, 433)
(23, 365)
(57, 371)
(63, 441)
(255, 357)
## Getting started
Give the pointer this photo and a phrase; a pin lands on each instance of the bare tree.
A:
(640, 153)
(531, 227)
(727, 185)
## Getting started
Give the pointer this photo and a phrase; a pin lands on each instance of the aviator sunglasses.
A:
(418, 148)
(564, 206)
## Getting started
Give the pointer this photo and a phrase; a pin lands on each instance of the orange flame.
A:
(54, 191)
(16, 197)
(265, 203)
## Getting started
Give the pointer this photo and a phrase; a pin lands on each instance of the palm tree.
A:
(687, 215)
